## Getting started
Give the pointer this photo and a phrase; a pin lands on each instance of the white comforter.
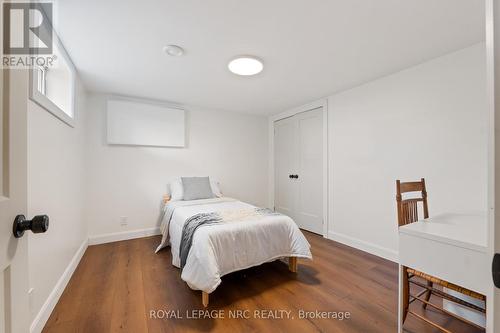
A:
(222, 248)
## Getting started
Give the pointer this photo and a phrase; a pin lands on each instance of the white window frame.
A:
(46, 103)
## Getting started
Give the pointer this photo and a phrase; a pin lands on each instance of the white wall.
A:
(130, 181)
(56, 167)
(427, 121)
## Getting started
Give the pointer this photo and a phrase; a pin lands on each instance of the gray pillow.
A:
(196, 188)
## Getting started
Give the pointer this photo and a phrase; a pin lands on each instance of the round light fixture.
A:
(173, 50)
(245, 65)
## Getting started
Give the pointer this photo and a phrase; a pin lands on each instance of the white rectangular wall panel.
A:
(143, 124)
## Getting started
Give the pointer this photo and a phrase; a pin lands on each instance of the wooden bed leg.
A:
(204, 298)
(292, 264)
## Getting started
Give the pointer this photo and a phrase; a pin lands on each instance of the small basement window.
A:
(53, 87)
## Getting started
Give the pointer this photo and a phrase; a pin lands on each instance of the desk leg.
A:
(400, 300)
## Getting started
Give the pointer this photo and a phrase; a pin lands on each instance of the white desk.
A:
(452, 247)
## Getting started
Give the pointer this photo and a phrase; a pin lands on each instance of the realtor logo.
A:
(27, 35)
(27, 28)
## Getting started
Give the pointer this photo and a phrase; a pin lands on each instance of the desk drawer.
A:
(464, 267)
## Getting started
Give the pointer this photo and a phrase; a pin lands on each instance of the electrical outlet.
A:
(123, 220)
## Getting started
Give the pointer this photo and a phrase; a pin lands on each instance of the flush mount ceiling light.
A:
(246, 65)
(173, 50)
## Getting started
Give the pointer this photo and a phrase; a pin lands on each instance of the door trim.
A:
(492, 19)
(322, 103)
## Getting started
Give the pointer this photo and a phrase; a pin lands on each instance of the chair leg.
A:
(406, 294)
(427, 294)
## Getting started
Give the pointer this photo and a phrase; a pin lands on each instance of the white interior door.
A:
(14, 304)
(285, 157)
(309, 207)
(298, 157)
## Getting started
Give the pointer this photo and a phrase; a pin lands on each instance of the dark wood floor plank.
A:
(118, 285)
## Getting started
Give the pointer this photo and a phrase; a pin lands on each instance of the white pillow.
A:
(215, 188)
(177, 191)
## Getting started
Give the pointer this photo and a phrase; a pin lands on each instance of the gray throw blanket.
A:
(169, 209)
(205, 219)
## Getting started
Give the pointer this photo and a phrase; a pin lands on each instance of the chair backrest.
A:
(408, 208)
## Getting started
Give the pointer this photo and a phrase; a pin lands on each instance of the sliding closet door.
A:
(285, 157)
(309, 208)
(298, 146)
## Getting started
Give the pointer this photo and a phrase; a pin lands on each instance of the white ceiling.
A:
(310, 48)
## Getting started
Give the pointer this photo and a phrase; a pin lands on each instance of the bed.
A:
(237, 236)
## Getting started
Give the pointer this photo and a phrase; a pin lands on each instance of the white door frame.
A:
(322, 103)
(493, 91)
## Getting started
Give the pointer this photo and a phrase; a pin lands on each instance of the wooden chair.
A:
(408, 213)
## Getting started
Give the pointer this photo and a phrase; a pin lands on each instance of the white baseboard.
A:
(124, 235)
(365, 246)
(47, 308)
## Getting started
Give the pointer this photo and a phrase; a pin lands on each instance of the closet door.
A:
(309, 207)
(285, 157)
(298, 146)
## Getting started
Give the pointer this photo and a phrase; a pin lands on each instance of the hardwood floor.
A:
(117, 285)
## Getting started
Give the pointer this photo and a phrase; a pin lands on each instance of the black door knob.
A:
(296, 176)
(290, 176)
(37, 225)
(496, 270)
